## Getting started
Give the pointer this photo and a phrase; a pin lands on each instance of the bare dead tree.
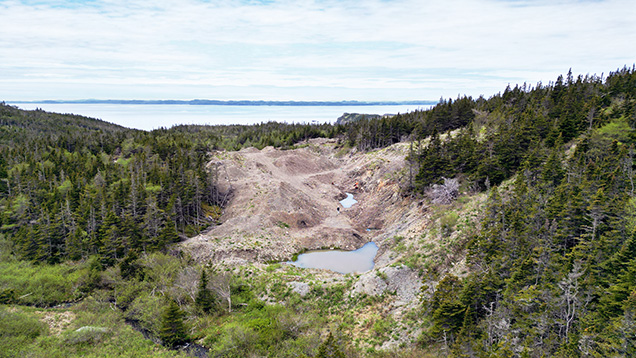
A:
(134, 193)
(590, 118)
(188, 283)
(628, 169)
(569, 301)
(292, 323)
(152, 218)
(221, 284)
(413, 165)
(444, 193)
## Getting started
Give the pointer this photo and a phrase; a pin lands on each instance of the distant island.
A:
(208, 102)
(354, 117)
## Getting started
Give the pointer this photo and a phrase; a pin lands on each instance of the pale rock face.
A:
(354, 117)
(400, 279)
(300, 288)
(370, 284)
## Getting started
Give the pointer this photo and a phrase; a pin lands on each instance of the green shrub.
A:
(17, 330)
(617, 129)
(146, 309)
(129, 291)
(447, 223)
(233, 339)
(16, 323)
(382, 327)
(7, 296)
(42, 285)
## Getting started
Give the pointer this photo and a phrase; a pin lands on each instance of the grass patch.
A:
(41, 285)
(96, 330)
(447, 223)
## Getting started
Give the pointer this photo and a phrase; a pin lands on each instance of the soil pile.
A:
(286, 201)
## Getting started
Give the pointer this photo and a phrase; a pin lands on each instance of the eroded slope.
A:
(285, 201)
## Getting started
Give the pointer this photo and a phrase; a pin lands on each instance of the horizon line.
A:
(229, 102)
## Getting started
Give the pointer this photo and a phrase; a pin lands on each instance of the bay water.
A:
(152, 116)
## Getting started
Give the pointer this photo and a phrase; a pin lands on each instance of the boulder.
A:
(300, 288)
(401, 280)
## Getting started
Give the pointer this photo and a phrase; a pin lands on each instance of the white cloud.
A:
(427, 48)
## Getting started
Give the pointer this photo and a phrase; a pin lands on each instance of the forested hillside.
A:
(90, 212)
(73, 187)
(552, 269)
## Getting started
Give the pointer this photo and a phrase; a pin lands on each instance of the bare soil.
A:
(286, 201)
(56, 321)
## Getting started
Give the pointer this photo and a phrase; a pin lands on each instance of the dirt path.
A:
(285, 201)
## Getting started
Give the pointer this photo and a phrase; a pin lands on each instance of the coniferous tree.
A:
(204, 299)
(329, 348)
(447, 309)
(173, 331)
(168, 235)
(129, 267)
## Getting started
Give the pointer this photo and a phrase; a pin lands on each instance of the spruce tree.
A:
(329, 349)
(173, 332)
(129, 267)
(204, 300)
(553, 172)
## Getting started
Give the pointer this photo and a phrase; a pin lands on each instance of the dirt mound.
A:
(285, 201)
(303, 163)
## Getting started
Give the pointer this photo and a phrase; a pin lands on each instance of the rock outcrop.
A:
(354, 117)
(398, 280)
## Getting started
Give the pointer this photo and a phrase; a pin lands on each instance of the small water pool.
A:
(348, 201)
(360, 260)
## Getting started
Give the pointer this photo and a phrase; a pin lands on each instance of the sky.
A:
(303, 49)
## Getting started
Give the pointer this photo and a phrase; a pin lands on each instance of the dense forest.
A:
(97, 207)
(553, 266)
(74, 187)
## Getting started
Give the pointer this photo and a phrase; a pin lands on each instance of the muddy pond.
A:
(348, 201)
(356, 261)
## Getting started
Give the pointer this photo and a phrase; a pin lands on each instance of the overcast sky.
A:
(303, 49)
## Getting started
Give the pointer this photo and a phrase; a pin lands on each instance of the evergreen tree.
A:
(552, 170)
(173, 331)
(129, 267)
(168, 235)
(204, 300)
(329, 349)
(447, 309)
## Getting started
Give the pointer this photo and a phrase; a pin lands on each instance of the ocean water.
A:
(151, 116)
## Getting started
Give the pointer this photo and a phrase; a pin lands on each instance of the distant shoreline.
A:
(206, 102)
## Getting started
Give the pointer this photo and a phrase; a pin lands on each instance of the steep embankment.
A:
(285, 201)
